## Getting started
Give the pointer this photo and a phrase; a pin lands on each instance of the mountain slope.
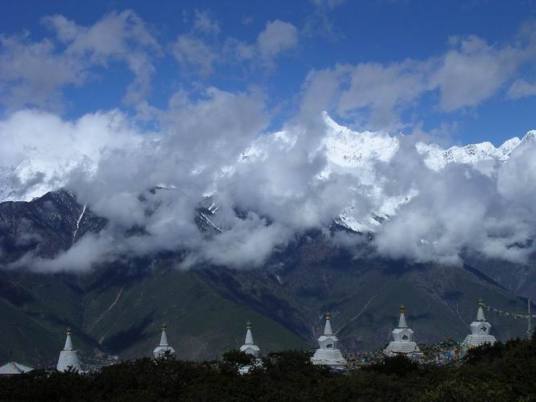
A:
(118, 307)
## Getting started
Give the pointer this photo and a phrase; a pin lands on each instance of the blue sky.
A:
(409, 66)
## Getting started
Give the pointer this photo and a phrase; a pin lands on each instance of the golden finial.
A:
(402, 309)
(328, 316)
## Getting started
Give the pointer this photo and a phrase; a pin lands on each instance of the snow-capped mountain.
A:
(358, 153)
(347, 148)
(347, 152)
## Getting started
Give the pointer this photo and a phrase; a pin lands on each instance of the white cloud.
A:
(473, 71)
(117, 36)
(190, 51)
(521, 89)
(247, 245)
(383, 90)
(202, 54)
(205, 24)
(375, 95)
(114, 36)
(284, 184)
(34, 73)
(90, 250)
(44, 150)
(277, 37)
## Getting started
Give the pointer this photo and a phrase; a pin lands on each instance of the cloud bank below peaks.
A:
(422, 202)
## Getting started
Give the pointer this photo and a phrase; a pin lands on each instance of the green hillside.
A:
(118, 308)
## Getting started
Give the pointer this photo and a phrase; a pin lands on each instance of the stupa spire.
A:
(402, 320)
(249, 335)
(480, 312)
(163, 336)
(68, 341)
(327, 327)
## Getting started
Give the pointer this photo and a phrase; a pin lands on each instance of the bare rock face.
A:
(44, 226)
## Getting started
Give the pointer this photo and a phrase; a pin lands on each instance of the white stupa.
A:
(327, 354)
(163, 349)
(68, 359)
(249, 346)
(402, 343)
(14, 368)
(480, 331)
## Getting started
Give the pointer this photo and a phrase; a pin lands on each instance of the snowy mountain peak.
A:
(530, 137)
(347, 148)
(509, 145)
(357, 153)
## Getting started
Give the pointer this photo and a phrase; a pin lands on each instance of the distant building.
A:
(249, 346)
(163, 349)
(327, 354)
(403, 343)
(14, 368)
(480, 332)
(68, 359)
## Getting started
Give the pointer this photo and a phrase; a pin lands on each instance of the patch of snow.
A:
(78, 222)
(208, 221)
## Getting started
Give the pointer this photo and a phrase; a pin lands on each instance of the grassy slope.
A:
(120, 313)
(201, 323)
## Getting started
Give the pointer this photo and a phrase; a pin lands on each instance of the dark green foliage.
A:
(237, 358)
(397, 365)
(504, 372)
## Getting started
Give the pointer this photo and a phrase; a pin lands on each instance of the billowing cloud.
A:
(201, 49)
(44, 149)
(469, 73)
(116, 37)
(473, 71)
(383, 90)
(420, 202)
(34, 73)
(277, 37)
(213, 147)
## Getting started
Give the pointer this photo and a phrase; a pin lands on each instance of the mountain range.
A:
(117, 307)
